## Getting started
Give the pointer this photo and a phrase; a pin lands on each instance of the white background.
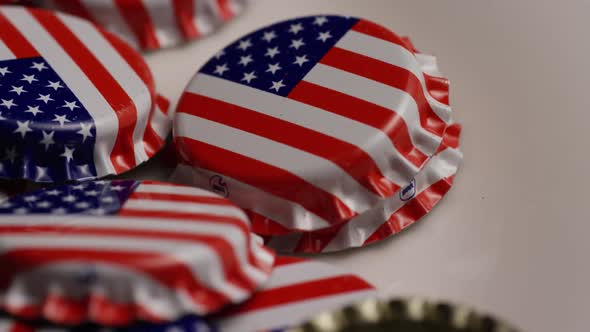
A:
(511, 237)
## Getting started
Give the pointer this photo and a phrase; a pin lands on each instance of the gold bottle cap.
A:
(404, 315)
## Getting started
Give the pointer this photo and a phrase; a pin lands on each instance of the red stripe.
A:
(390, 75)
(362, 111)
(266, 177)
(176, 275)
(412, 211)
(138, 19)
(230, 266)
(198, 217)
(451, 137)
(287, 260)
(15, 41)
(353, 160)
(438, 87)
(122, 154)
(378, 31)
(262, 225)
(302, 292)
(184, 11)
(163, 104)
(315, 242)
(225, 9)
(182, 198)
(74, 7)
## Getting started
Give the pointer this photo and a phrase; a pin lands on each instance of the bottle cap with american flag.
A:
(297, 290)
(310, 122)
(114, 252)
(76, 102)
(151, 25)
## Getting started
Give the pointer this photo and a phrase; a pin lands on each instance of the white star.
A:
(273, 68)
(69, 198)
(84, 169)
(245, 44)
(4, 71)
(8, 103)
(269, 36)
(221, 69)
(45, 98)
(98, 211)
(107, 199)
(59, 211)
(18, 89)
(30, 199)
(82, 205)
(248, 77)
(5, 205)
(324, 36)
(300, 60)
(271, 52)
(42, 174)
(47, 139)
(245, 60)
(85, 131)
(20, 211)
(1, 117)
(44, 204)
(71, 105)
(53, 192)
(29, 78)
(277, 85)
(23, 128)
(219, 54)
(68, 153)
(61, 119)
(297, 43)
(78, 187)
(117, 188)
(11, 154)
(54, 85)
(295, 28)
(91, 193)
(39, 66)
(320, 20)
(35, 110)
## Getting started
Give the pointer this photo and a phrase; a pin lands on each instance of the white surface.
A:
(511, 237)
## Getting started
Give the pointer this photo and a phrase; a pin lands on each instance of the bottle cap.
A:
(113, 252)
(309, 122)
(153, 25)
(75, 101)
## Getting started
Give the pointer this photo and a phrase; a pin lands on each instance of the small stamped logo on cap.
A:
(219, 185)
(408, 192)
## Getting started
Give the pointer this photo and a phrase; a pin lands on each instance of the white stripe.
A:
(289, 315)
(164, 22)
(120, 70)
(5, 52)
(106, 14)
(6, 325)
(359, 229)
(232, 234)
(188, 207)
(371, 140)
(178, 190)
(298, 273)
(185, 252)
(205, 16)
(315, 170)
(287, 213)
(161, 123)
(393, 54)
(105, 119)
(377, 93)
(428, 64)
